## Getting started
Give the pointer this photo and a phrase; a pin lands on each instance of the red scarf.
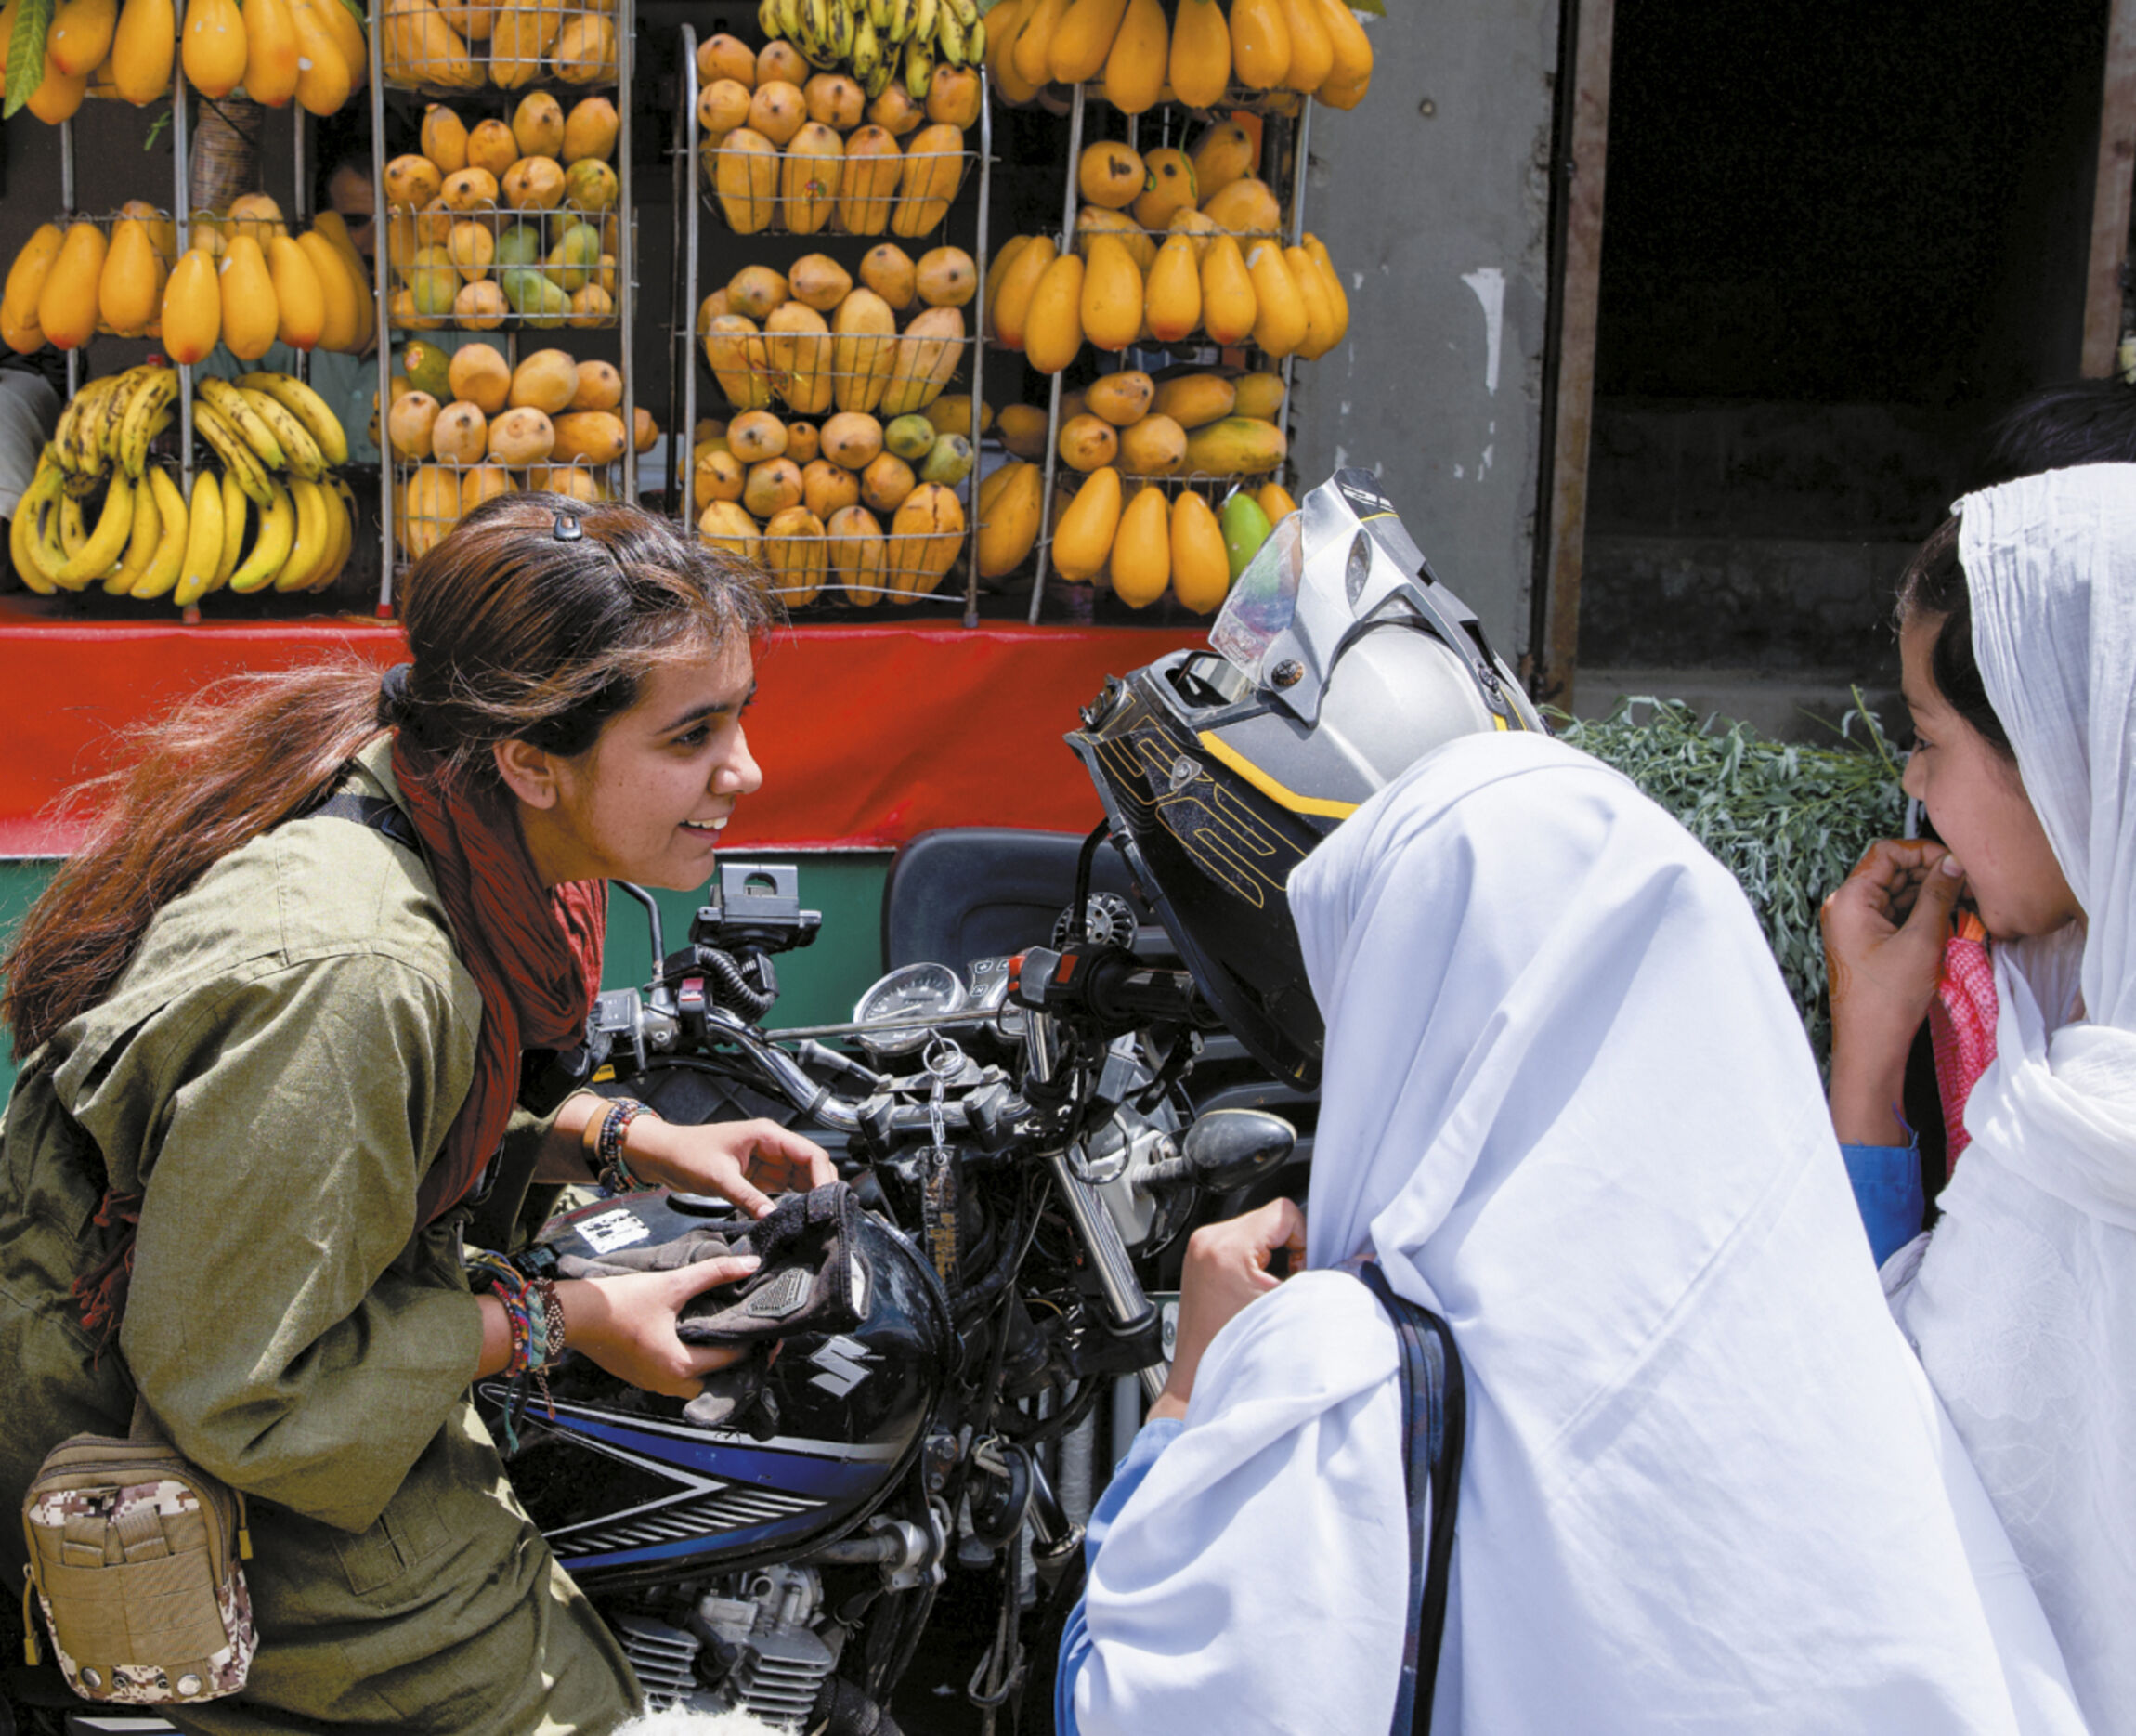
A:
(535, 954)
(1962, 1026)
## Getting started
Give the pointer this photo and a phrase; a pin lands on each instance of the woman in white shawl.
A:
(2018, 636)
(1568, 1105)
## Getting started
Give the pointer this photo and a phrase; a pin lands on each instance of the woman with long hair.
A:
(271, 1020)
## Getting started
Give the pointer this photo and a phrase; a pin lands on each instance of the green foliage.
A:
(1789, 821)
(26, 53)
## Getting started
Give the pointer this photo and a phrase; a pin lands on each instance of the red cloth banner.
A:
(867, 734)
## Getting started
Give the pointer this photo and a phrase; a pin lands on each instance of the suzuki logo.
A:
(844, 1363)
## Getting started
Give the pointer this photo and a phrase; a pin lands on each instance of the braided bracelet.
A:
(611, 1168)
(534, 1313)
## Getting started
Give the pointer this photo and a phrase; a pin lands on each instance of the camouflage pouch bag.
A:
(134, 1555)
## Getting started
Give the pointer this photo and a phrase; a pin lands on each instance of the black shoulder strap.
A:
(375, 812)
(1434, 1423)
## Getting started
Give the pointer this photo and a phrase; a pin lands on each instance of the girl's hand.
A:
(628, 1324)
(742, 1161)
(1226, 1268)
(1884, 930)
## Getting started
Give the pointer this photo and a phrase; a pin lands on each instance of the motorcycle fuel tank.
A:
(626, 1489)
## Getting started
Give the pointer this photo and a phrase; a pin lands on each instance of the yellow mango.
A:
(1279, 321)
(1111, 305)
(1339, 298)
(271, 53)
(1075, 52)
(1135, 69)
(1033, 52)
(300, 301)
(1312, 55)
(26, 276)
(1009, 302)
(1312, 291)
(1083, 540)
(1172, 298)
(1229, 309)
(745, 177)
(1200, 63)
(1260, 395)
(868, 193)
(1221, 155)
(1237, 446)
(143, 46)
(130, 287)
(1009, 518)
(1349, 75)
(80, 34)
(212, 51)
(1054, 331)
(1260, 43)
(192, 308)
(249, 315)
(67, 299)
(1191, 399)
(1247, 206)
(1142, 558)
(324, 77)
(1201, 569)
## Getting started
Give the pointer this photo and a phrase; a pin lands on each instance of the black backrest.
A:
(982, 892)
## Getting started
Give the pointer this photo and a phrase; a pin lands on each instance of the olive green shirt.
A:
(275, 1072)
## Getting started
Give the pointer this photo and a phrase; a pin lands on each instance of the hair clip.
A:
(567, 528)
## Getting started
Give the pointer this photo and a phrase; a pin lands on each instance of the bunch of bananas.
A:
(879, 40)
(149, 541)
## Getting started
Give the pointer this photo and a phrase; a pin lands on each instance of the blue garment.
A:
(1888, 1193)
(1127, 1478)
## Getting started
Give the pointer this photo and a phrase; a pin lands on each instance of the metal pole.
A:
(1303, 138)
(382, 232)
(982, 241)
(300, 201)
(67, 205)
(686, 316)
(181, 222)
(1053, 406)
(626, 243)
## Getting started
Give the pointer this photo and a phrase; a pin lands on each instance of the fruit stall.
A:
(980, 328)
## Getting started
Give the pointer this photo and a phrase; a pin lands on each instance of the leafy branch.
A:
(1789, 820)
(26, 53)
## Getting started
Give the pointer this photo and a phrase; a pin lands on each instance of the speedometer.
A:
(908, 996)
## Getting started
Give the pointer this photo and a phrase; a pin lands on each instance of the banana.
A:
(146, 417)
(251, 427)
(140, 543)
(344, 507)
(236, 509)
(102, 432)
(73, 530)
(100, 552)
(308, 408)
(843, 25)
(923, 15)
(80, 425)
(271, 547)
(919, 69)
(768, 17)
(975, 43)
(229, 445)
(165, 564)
(949, 37)
(866, 48)
(967, 13)
(300, 455)
(876, 82)
(41, 497)
(790, 18)
(879, 14)
(204, 548)
(311, 549)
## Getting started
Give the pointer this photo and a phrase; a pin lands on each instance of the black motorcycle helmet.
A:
(1338, 662)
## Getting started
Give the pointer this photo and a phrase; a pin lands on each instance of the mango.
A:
(1157, 446)
(250, 316)
(1201, 568)
(1083, 540)
(1142, 558)
(572, 261)
(588, 132)
(1009, 518)
(1235, 447)
(67, 298)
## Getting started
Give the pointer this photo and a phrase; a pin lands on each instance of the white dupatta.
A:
(1569, 1105)
(2024, 1306)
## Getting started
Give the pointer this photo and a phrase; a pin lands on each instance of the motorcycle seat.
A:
(984, 892)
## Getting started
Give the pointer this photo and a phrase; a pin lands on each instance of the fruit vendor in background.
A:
(33, 389)
(225, 167)
(272, 1019)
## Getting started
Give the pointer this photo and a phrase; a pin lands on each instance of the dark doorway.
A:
(1836, 243)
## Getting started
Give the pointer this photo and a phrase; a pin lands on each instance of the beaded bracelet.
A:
(534, 1313)
(611, 1168)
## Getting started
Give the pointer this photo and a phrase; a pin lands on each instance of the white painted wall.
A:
(1439, 222)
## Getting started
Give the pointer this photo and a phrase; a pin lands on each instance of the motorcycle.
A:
(1024, 1140)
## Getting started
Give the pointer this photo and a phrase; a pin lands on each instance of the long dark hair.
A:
(1933, 587)
(535, 619)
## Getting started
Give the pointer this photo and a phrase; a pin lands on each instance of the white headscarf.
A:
(2025, 1305)
(1568, 1104)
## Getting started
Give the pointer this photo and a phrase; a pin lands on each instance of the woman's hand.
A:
(1884, 930)
(628, 1324)
(743, 1161)
(1226, 1268)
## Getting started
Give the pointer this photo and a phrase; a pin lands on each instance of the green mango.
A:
(571, 262)
(534, 299)
(519, 245)
(1246, 528)
(909, 438)
(948, 461)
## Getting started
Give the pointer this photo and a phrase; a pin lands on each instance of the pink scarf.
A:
(1962, 1026)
